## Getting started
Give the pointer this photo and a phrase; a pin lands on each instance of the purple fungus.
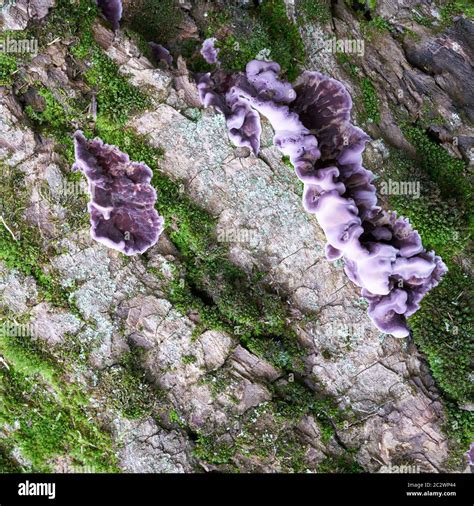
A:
(382, 253)
(112, 11)
(388, 312)
(261, 75)
(208, 51)
(470, 455)
(209, 97)
(122, 206)
(324, 107)
(242, 121)
(160, 54)
(244, 126)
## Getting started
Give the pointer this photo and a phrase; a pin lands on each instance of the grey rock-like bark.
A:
(17, 15)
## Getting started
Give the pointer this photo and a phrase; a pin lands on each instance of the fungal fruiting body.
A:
(382, 253)
(209, 51)
(122, 205)
(243, 122)
(160, 53)
(112, 11)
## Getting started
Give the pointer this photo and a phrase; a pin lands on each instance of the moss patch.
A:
(24, 252)
(341, 464)
(126, 386)
(46, 416)
(313, 11)
(264, 28)
(294, 400)
(8, 66)
(212, 451)
(155, 20)
(371, 102)
(442, 328)
(449, 173)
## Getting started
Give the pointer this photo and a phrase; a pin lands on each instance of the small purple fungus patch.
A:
(122, 212)
(208, 51)
(161, 54)
(112, 11)
(470, 455)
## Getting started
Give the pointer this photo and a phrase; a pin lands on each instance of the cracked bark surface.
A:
(395, 408)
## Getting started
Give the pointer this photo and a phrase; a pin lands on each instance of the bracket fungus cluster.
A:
(382, 253)
(122, 206)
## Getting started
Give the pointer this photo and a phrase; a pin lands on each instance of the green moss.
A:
(116, 98)
(70, 17)
(189, 359)
(449, 173)
(128, 141)
(282, 353)
(313, 11)
(212, 451)
(53, 115)
(55, 119)
(267, 435)
(24, 252)
(443, 329)
(345, 61)
(376, 26)
(291, 453)
(47, 416)
(342, 464)
(459, 427)
(218, 381)
(264, 28)
(8, 66)
(7, 463)
(294, 401)
(11, 62)
(422, 20)
(190, 49)
(125, 384)
(453, 8)
(286, 45)
(441, 223)
(176, 419)
(156, 20)
(371, 101)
